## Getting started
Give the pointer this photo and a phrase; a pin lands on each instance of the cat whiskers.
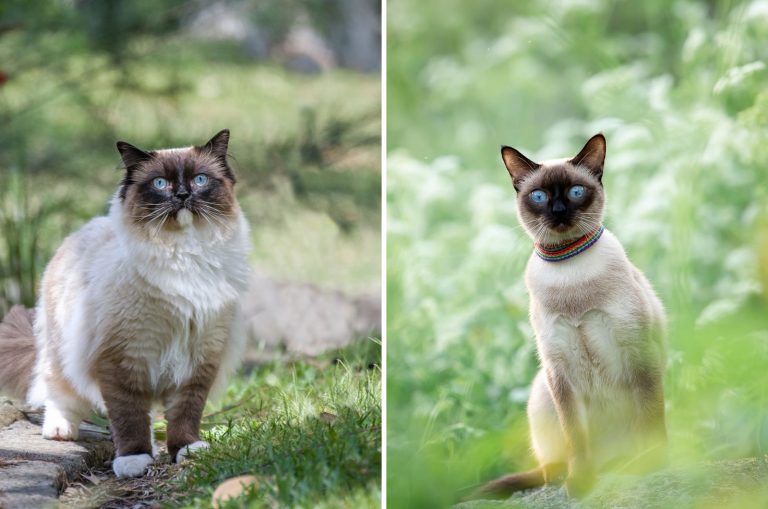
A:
(207, 217)
(155, 229)
(155, 211)
(151, 206)
(211, 213)
(156, 218)
(541, 228)
(585, 225)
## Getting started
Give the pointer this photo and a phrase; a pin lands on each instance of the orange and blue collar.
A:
(568, 249)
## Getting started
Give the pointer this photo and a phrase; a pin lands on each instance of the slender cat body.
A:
(140, 308)
(597, 403)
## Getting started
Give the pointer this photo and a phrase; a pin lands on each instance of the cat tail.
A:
(17, 351)
(507, 485)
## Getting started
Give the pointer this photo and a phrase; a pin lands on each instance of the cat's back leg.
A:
(50, 388)
(64, 409)
(547, 442)
(547, 439)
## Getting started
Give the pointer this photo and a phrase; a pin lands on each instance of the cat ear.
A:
(592, 156)
(218, 144)
(132, 156)
(517, 165)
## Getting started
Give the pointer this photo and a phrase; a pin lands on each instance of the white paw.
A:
(57, 427)
(194, 446)
(132, 465)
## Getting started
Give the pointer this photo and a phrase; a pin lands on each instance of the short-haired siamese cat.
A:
(139, 307)
(598, 402)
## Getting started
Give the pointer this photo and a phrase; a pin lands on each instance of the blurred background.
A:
(296, 82)
(678, 88)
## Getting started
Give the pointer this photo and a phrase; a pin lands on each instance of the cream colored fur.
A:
(174, 293)
(595, 347)
(598, 401)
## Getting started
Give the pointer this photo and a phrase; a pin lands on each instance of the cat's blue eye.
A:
(160, 183)
(576, 192)
(538, 196)
(201, 180)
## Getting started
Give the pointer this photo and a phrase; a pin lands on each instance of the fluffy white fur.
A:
(133, 465)
(59, 425)
(184, 451)
(106, 270)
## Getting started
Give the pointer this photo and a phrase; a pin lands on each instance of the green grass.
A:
(686, 191)
(306, 149)
(309, 430)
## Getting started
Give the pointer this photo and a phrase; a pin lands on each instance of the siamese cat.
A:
(139, 307)
(598, 402)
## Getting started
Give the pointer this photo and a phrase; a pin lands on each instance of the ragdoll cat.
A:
(140, 307)
(598, 400)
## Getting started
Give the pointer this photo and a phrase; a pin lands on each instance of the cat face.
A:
(169, 190)
(559, 199)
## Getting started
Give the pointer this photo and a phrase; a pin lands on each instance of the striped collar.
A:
(567, 249)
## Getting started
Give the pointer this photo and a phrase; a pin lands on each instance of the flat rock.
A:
(9, 414)
(33, 470)
(23, 440)
(29, 484)
(304, 318)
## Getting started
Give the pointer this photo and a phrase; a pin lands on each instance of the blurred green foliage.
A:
(75, 77)
(678, 90)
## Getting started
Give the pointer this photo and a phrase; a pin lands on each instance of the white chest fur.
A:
(591, 314)
(188, 292)
(167, 306)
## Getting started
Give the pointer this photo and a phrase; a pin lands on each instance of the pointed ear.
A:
(218, 144)
(132, 156)
(517, 165)
(592, 156)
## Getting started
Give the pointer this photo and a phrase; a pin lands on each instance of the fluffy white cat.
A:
(140, 307)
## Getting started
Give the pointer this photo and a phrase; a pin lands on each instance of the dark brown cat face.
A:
(559, 199)
(167, 190)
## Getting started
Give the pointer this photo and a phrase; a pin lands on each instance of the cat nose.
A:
(182, 193)
(558, 208)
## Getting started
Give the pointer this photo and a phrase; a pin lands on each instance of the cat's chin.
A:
(185, 218)
(562, 228)
(557, 234)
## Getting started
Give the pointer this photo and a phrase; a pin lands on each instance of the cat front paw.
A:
(58, 427)
(194, 446)
(132, 465)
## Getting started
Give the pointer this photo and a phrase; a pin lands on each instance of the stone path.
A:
(34, 471)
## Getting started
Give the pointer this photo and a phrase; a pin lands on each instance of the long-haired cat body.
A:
(597, 403)
(141, 307)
